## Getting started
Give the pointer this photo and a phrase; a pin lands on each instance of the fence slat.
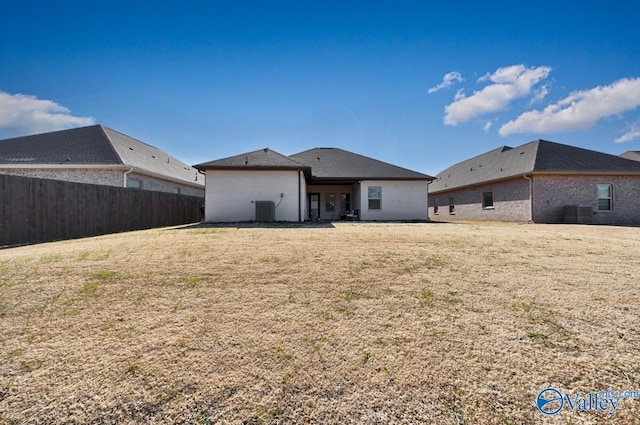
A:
(37, 210)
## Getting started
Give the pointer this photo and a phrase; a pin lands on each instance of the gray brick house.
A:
(98, 155)
(541, 181)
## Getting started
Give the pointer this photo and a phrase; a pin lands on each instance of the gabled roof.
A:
(92, 147)
(333, 164)
(78, 146)
(634, 155)
(540, 156)
(262, 159)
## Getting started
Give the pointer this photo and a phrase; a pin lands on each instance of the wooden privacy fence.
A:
(36, 210)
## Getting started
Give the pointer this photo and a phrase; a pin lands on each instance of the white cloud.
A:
(539, 94)
(487, 126)
(447, 81)
(23, 114)
(580, 110)
(509, 83)
(632, 133)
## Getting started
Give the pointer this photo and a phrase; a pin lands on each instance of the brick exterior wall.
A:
(104, 178)
(510, 202)
(107, 178)
(552, 192)
(159, 185)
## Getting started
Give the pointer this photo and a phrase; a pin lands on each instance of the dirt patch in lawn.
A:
(351, 323)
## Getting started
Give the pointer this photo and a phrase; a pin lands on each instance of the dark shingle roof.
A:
(91, 146)
(85, 145)
(260, 159)
(146, 157)
(540, 156)
(337, 164)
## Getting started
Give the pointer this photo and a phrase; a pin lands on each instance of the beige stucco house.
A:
(317, 184)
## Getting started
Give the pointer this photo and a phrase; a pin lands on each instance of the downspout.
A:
(203, 209)
(299, 198)
(428, 183)
(125, 177)
(530, 196)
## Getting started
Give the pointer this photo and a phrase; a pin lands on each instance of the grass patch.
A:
(354, 323)
(104, 275)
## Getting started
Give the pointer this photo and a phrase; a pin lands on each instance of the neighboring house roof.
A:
(634, 155)
(93, 147)
(329, 164)
(257, 160)
(540, 156)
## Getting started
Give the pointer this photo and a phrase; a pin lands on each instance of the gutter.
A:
(116, 167)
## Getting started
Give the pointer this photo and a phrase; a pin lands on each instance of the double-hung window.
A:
(375, 197)
(605, 197)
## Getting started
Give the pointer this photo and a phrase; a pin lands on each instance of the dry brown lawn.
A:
(349, 323)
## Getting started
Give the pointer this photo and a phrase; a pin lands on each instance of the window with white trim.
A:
(605, 197)
(375, 197)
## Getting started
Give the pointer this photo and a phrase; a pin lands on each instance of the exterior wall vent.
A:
(265, 211)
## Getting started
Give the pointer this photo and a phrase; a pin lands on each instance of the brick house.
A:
(98, 155)
(541, 181)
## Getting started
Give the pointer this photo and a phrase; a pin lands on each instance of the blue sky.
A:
(416, 83)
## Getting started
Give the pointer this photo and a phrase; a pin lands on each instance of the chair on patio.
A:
(352, 215)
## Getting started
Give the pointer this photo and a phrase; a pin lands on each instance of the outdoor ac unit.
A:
(265, 211)
(574, 214)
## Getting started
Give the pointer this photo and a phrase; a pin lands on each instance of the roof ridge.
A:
(113, 148)
(359, 155)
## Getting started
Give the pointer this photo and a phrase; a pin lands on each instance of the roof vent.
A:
(266, 150)
(130, 148)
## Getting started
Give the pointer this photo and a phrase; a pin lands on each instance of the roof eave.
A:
(589, 173)
(361, 178)
(537, 173)
(204, 167)
(65, 166)
(165, 177)
(101, 167)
